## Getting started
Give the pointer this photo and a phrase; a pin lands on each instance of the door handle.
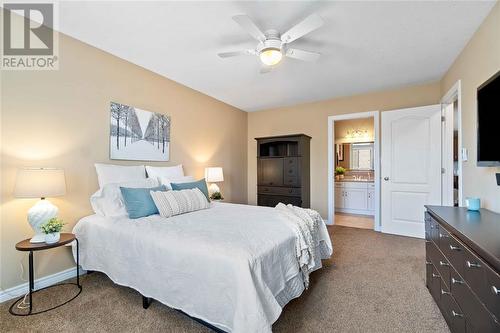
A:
(386, 178)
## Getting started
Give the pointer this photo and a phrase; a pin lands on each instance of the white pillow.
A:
(167, 181)
(167, 172)
(108, 201)
(110, 173)
(172, 203)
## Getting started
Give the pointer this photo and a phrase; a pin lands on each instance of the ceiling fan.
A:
(273, 45)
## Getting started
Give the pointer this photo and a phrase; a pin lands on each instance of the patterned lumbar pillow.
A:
(179, 202)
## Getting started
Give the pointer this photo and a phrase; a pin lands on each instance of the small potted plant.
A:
(340, 171)
(52, 230)
(217, 196)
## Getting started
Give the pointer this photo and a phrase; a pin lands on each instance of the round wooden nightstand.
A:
(26, 246)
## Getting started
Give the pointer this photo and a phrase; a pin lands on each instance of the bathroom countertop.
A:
(352, 180)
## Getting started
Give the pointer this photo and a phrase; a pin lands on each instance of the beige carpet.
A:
(373, 283)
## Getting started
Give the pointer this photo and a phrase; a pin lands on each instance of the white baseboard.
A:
(42, 282)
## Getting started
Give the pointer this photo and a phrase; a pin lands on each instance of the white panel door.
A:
(411, 168)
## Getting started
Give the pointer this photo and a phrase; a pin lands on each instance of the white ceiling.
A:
(365, 46)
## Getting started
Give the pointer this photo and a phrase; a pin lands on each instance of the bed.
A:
(232, 266)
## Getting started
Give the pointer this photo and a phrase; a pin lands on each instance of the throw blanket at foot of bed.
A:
(307, 225)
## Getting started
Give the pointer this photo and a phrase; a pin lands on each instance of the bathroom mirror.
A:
(361, 156)
(355, 156)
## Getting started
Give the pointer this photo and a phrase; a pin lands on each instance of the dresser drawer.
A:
(443, 239)
(475, 274)
(492, 299)
(291, 166)
(478, 317)
(435, 230)
(433, 282)
(291, 180)
(427, 220)
(454, 252)
(273, 200)
(440, 262)
(288, 191)
(456, 317)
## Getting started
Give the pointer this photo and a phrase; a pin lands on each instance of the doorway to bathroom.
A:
(353, 173)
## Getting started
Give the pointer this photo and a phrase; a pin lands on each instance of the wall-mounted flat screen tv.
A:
(488, 122)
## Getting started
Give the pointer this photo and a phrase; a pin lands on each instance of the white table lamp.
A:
(214, 175)
(40, 183)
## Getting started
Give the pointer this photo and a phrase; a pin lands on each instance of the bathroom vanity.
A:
(355, 197)
(355, 193)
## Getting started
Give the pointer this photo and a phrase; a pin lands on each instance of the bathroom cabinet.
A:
(355, 197)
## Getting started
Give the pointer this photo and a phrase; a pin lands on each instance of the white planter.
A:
(52, 238)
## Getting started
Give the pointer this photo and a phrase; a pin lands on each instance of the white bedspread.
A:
(233, 266)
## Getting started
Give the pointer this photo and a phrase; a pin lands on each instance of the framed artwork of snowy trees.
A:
(137, 134)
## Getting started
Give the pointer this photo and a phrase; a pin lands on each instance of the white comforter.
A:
(233, 266)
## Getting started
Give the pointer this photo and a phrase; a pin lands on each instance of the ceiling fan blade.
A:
(302, 55)
(247, 24)
(265, 69)
(236, 53)
(310, 23)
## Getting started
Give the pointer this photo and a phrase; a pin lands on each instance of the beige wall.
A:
(343, 126)
(61, 119)
(479, 60)
(311, 119)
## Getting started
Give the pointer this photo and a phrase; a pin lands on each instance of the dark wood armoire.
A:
(283, 170)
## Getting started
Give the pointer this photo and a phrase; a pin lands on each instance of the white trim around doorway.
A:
(455, 93)
(331, 163)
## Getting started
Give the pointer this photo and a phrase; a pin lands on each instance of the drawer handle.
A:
(456, 314)
(432, 226)
(455, 248)
(495, 290)
(436, 275)
(442, 263)
(455, 281)
(472, 264)
(444, 292)
(427, 262)
(290, 191)
(443, 236)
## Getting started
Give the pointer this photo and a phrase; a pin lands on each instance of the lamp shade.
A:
(40, 183)
(214, 174)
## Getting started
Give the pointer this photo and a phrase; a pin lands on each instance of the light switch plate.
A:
(465, 154)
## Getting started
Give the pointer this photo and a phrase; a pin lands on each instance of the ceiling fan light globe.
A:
(270, 57)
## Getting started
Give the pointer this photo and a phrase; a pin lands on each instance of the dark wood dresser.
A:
(283, 170)
(463, 265)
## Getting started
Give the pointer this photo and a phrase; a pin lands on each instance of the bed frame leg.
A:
(146, 302)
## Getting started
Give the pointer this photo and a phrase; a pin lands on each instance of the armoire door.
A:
(270, 172)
